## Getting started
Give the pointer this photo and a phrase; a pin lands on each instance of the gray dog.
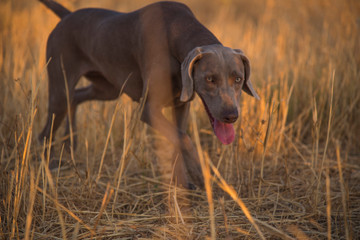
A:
(161, 52)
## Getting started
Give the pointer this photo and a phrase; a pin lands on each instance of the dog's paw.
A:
(67, 144)
(55, 165)
(191, 186)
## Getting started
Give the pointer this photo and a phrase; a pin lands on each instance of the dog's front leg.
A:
(153, 116)
(187, 149)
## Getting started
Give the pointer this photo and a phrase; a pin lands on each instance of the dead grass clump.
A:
(292, 173)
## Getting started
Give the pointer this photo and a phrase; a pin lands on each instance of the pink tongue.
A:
(224, 131)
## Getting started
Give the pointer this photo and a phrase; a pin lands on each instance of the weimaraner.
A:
(161, 52)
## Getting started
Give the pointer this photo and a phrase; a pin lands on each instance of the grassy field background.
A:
(293, 171)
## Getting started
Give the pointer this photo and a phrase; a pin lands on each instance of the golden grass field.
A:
(293, 171)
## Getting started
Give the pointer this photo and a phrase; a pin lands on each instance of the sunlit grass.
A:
(292, 172)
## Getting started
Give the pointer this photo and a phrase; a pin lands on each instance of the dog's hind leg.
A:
(57, 98)
(60, 93)
(100, 89)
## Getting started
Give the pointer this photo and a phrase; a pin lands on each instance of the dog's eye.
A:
(210, 79)
(238, 79)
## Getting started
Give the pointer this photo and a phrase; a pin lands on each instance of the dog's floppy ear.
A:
(187, 92)
(247, 87)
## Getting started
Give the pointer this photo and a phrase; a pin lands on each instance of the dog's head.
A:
(217, 74)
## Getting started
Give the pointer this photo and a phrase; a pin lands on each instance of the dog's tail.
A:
(56, 8)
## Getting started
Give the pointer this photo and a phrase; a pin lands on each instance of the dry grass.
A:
(292, 173)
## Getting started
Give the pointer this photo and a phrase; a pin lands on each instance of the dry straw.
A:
(292, 172)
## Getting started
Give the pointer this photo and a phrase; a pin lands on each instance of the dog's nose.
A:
(230, 116)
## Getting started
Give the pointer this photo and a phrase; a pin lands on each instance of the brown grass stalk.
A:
(70, 213)
(328, 202)
(343, 193)
(107, 141)
(29, 216)
(69, 113)
(266, 139)
(121, 168)
(110, 129)
(107, 196)
(285, 108)
(54, 193)
(291, 173)
(204, 162)
(231, 191)
(321, 167)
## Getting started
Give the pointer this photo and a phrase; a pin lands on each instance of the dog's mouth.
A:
(224, 131)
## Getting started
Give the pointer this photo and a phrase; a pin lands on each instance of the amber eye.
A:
(210, 79)
(238, 80)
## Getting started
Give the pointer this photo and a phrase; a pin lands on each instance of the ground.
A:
(293, 171)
